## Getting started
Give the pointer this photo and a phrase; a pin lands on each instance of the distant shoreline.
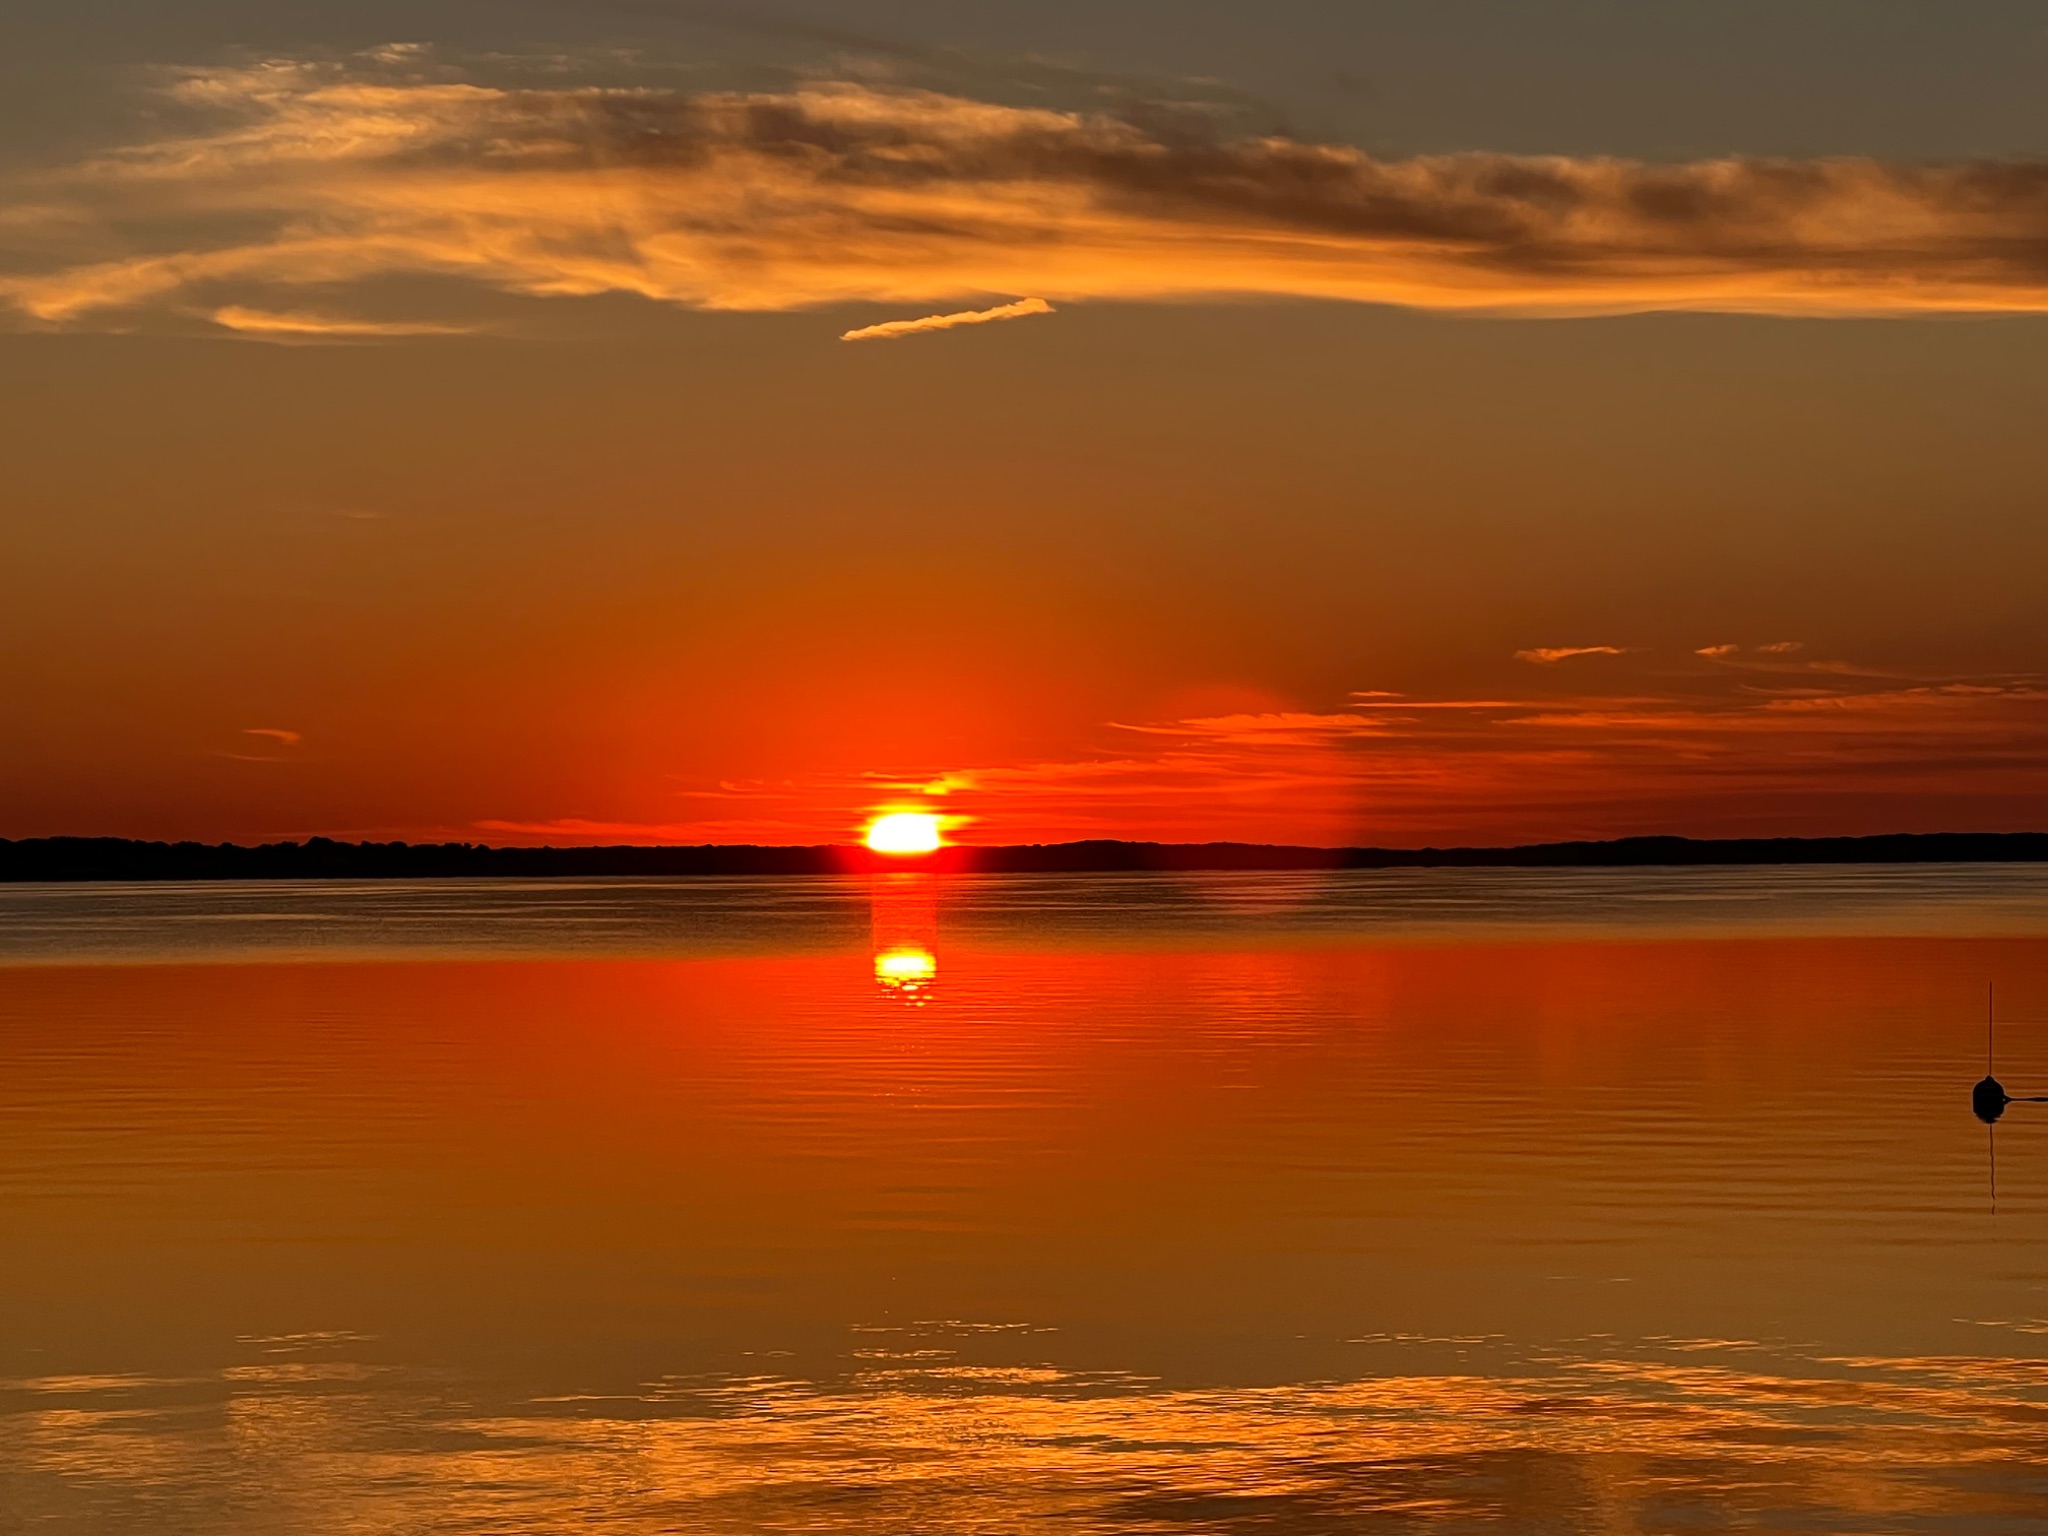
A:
(71, 859)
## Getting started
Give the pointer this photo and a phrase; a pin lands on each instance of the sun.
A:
(904, 832)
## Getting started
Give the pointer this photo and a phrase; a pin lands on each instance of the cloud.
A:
(302, 325)
(1403, 703)
(1779, 657)
(1550, 655)
(1276, 728)
(582, 829)
(893, 328)
(269, 733)
(320, 175)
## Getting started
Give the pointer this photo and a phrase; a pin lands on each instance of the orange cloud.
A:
(1279, 728)
(272, 733)
(892, 328)
(327, 175)
(584, 829)
(303, 325)
(1548, 655)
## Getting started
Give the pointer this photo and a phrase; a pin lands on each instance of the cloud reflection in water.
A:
(919, 1439)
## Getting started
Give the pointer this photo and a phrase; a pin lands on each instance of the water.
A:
(1459, 1201)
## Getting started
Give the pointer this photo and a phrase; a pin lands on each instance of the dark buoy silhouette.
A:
(1988, 1100)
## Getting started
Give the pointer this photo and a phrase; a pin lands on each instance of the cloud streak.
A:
(1550, 655)
(302, 325)
(301, 175)
(893, 328)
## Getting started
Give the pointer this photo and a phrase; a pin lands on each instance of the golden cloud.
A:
(889, 329)
(307, 326)
(326, 175)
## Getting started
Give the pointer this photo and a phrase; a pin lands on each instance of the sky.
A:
(1387, 423)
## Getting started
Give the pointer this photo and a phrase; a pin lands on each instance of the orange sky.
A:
(402, 450)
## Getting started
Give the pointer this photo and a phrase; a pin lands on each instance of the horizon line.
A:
(67, 859)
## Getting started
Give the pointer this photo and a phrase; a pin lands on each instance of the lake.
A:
(1480, 1200)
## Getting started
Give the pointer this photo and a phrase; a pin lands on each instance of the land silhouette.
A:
(320, 858)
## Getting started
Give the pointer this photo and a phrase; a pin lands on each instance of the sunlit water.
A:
(1482, 1200)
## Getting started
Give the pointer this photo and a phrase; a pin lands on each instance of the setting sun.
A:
(904, 832)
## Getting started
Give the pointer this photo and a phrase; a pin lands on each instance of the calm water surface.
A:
(1488, 1200)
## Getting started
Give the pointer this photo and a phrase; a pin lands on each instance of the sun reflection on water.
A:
(906, 969)
(904, 930)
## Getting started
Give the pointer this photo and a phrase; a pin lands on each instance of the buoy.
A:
(1988, 1099)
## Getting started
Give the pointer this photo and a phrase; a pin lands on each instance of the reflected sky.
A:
(453, 919)
(1297, 1227)
(1707, 1432)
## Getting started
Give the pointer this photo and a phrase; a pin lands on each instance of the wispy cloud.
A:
(1777, 650)
(1550, 655)
(1274, 728)
(583, 829)
(304, 174)
(892, 328)
(303, 325)
(285, 739)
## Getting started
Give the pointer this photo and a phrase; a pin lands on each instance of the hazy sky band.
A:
(310, 174)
